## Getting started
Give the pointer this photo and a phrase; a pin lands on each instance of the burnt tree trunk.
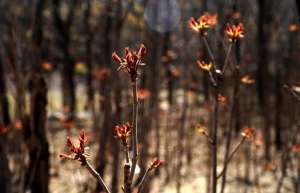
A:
(37, 175)
(3, 97)
(5, 173)
(89, 55)
(63, 29)
(105, 90)
(263, 78)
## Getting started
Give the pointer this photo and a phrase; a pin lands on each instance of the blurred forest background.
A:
(57, 77)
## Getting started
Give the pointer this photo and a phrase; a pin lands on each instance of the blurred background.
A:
(57, 77)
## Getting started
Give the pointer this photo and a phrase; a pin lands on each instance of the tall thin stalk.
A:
(96, 175)
(232, 116)
(135, 128)
(214, 148)
(226, 58)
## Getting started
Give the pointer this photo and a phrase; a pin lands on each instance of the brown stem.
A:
(92, 171)
(127, 153)
(226, 58)
(127, 182)
(214, 149)
(140, 185)
(210, 53)
(134, 131)
(292, 92)
(212, 79)
(210, 140)
(231, 156)
(234, 111)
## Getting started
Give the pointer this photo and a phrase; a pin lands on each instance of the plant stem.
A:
(210, 140)
(210, 53)
(127, 153)
(215, 142)
(127, 182)
(134, 131)
(231, 156)
(92, 171)
(226, 58)
(233, 112)
(212, 79)
(140, 185)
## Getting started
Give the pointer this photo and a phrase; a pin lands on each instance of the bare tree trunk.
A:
(118, 103)
(278, 113)
(263, 78)
(298, 7)
(5, 178)
(232, 122)
(63, 29)
(5, 184)
(105, 90)
(3, 97)
(89, 57)
(37, 176)
(214, 145)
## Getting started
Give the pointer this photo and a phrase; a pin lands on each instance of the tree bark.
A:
(263, 78)
(37, 175)
(5, 173)
(63, 29)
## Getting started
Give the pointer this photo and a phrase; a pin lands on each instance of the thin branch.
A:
(210, 53)
(231, 156)
(226, 58)
(134, 131)
(210, 140)
(292, 92)
(214, 148)
(92, 171)
(212, 79)
(127, 153)
(140, 185)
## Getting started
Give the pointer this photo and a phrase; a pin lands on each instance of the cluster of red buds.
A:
(16, 124)
(204, 65)
(143, 94)
(235, 32)
(131, 61)
(156, 163)
(68, 123)
(101, 73)
(123, 132)
(3, 129)
(247, 80)
(77, 151)
(295, 148)
(248, 132)
(203, 23)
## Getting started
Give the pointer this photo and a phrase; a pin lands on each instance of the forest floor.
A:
(68, 176)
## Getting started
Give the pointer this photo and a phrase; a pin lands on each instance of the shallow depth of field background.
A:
(57, 77)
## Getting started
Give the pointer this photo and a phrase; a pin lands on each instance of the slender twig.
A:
(233, 112)
(210, 140)
(214, 149)
(226, 58)
(134, 131)
(231, 156)
(127, 153)
(127, 182)
(292, 92)
(212, 79)
(140, 185)
(92, 171)
(210, 53)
